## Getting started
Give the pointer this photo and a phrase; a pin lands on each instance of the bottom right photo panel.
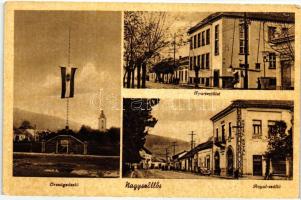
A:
(208, 139)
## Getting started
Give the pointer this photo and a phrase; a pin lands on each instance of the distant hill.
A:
(42, 121)
(157, 144)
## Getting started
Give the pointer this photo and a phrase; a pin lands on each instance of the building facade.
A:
(181, 73)
(241, 132)
(217, 50)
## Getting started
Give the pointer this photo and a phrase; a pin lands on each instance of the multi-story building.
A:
(241, 133)
(217, 50)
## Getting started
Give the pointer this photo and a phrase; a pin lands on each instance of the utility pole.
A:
(246, 78)
(192, 134)
(174, 50)
(174, 144)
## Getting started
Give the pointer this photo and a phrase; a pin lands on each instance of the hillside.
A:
(41, 121)
(157, 144)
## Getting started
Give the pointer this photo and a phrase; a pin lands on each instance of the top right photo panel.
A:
(221, 50)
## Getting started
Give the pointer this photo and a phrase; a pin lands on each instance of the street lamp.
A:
(196, 70)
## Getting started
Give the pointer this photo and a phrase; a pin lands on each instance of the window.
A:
(271, 125)
(242, 39)
(199, 40)
(216, 40)
(194, 42)
(198, 60)
(273, 81)
(203, 38)
(191, 45)
(272, 60)
(190, 63)
(216, 132)
(257, 128)
(257, 66)
(284, 31)
(207, 36)
(202, 80)
(194, 61)
(223, 134)
(271, 32)
(230, 130)
(207, 60)
(203, 61)
(207, 82)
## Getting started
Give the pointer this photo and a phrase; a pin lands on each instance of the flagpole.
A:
(67, 113)
(67, 103)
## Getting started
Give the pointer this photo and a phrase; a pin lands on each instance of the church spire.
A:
(102, 120)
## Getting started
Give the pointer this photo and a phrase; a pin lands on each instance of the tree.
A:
(137, 119)
(280, 144)
(144, 36)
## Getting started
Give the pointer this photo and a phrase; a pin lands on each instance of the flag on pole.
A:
(67, 75)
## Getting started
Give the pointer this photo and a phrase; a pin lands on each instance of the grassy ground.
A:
(65, 165)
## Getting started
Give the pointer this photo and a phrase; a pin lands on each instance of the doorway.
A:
(257, 165)
(217, 169)
(216, 78)
(230, 162)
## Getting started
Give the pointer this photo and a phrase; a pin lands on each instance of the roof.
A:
(178, 154)
(102, 115)
(258, 16)
(200, 147)
(146, 150)
(278, 104)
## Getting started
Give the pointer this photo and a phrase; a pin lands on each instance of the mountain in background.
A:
(42, 121)
(157, 145)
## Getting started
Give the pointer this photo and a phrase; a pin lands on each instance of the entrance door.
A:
(230, 162)
(257, 165)
(217, 169)
(216, 78)
(63, 146)
(286, 74)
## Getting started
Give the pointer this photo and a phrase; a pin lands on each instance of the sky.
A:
(178, 117)
(41, 46)
(179, 23)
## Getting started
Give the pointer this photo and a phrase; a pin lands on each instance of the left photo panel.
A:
(67, 94)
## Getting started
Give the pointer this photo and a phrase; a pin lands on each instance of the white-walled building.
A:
(252, 120)
(217, 49)
(146, 156)
(181, 73)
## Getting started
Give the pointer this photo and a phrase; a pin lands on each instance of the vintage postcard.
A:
(151, 100)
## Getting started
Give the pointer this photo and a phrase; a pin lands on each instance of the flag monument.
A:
(67, 75)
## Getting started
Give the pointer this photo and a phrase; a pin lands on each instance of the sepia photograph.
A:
(208, 139)
(151, 100)
(66, 111)
(220, 50)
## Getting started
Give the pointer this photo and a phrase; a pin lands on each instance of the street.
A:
(154, 85)
(157, 173)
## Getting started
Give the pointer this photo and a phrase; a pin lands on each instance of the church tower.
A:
(102, 121)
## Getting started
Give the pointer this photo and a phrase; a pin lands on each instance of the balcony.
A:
(220, 141)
